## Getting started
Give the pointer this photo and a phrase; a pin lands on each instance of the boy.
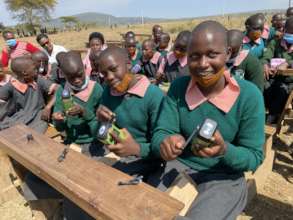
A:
(164, 44)
(175, 63)
(253, 40)
(278, 87)
(278, 23)
(14, 49)
(79, 120)
(157, 31)
(134, 54)
(94, 60)
(151, 60)
(242, 63)
(41, 61)
(237, 144)
(28, 93)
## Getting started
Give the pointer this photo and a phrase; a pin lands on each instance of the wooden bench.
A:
(92, 185)
(286, 109)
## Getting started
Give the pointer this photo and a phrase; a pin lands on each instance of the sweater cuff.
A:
(144, 150)
(230, 153)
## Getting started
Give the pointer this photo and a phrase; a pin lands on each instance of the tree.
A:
(69, 21)
(31, 12)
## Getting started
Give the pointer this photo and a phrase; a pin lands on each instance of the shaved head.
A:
(39, 55)
(149, 43)
(211, 30)
(235, 38)
(116, 52)
(20, 64)
(71, 63)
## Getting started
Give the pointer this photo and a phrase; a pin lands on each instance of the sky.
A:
(154, 8)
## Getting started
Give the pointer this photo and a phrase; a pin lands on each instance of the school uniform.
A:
(173, 67)
(279, 87)
(239, 111)
(165, 51)
(256, 47)
(150, 67)
(56, 75)
(268, 34)
(137, 111)
(20, 49)
(28, 101)
(136, 63)
(80, 130)
(246, 66)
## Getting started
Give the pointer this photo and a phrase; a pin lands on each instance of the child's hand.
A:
(104, 114)
(46, 113)
(172, 147)
(75, 110)
(267, 71)
(283, 66)
(125, 147)
(219, 147)
(58, 116)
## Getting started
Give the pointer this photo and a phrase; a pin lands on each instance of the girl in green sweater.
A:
(237, 144)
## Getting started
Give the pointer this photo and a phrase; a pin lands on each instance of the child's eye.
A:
(212, 55)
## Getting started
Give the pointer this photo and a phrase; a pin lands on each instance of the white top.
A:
(56, 49)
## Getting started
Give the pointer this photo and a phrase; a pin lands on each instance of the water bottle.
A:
(67, 100)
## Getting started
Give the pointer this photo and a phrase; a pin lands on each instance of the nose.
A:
(203, 63)
(109, 77)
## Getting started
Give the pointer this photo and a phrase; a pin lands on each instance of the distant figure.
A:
(252, 39)
(96, 43)
(134, 54)
(175, 62)
(278, 23)
(242, 64)
(289, 12)
(14, 48)
(49, 48)
(157, 32)
(165, 45)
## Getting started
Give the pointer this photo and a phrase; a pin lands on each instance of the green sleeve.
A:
(254, 72)
(168, 120)
(247, 154)
(153, 107)
(91, 116)
(269, 52)
(58, 107)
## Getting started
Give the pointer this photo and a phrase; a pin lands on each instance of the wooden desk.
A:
(91, 185)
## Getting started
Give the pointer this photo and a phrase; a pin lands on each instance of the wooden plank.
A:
(281, 118)
(287, 72)
(90, 184)
(183, 189)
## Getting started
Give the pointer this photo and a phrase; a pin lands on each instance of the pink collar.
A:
(247, 40)
(5, 80)
(266, 32)
(172, 59)
(224, 100)
(284, 45)
(155, 58)
(22, 87)
(240, 57)
(138, 89)
(85, 94)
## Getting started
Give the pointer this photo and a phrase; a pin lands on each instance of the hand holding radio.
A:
(75, 110)
(126, 146)
(217, 147)
(104, 114)
(172, 147)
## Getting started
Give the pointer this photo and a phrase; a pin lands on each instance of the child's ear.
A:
(229, 53)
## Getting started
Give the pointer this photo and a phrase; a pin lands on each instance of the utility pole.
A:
(289, 3)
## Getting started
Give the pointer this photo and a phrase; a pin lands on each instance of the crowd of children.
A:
(227, 76)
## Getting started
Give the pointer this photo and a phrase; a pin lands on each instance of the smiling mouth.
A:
(205, 74)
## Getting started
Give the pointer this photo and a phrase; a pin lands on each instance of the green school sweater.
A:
(242, 128)
(275, 50)
(253, 69)
(80, 130)
(138, 115)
